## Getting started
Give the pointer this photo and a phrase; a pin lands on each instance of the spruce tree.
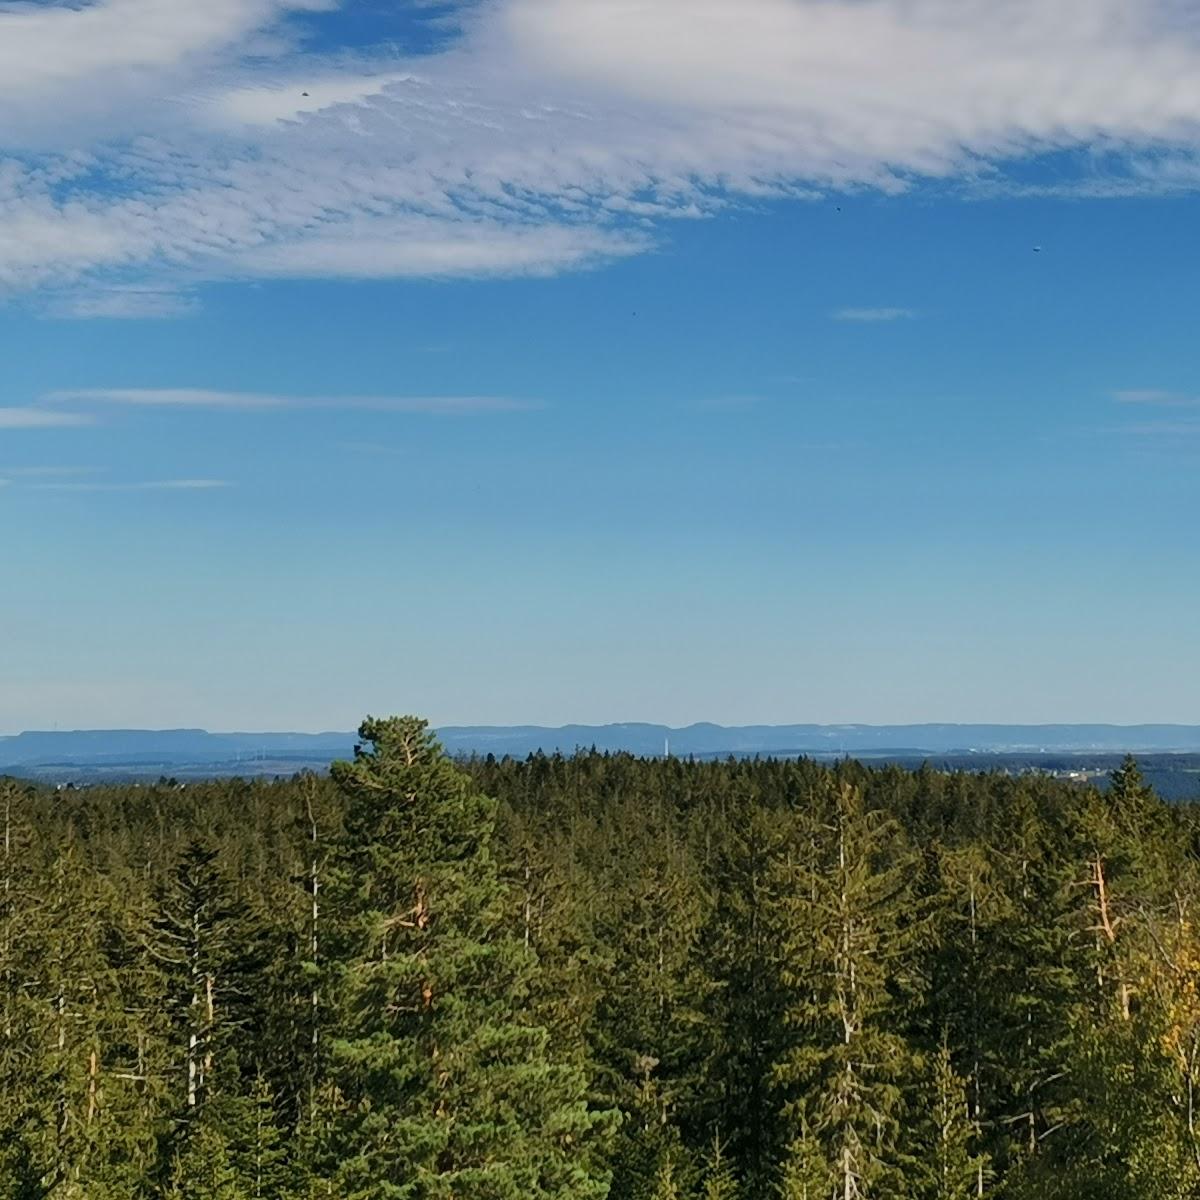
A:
(949, 1166)
(719, 1182)
(450, 1092)
(201, 1167)
(26, 1084)
(746, 1005)
(1032, 1000)
(257, 1150)
(652, 1040)
(846, 915)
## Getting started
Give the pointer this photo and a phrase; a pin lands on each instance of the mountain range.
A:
(197, 747)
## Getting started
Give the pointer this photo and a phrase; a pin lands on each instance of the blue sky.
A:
(559, 362)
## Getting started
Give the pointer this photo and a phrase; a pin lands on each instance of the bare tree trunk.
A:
(93, 1085)
(1109, 929)
(528, 907)
(193, 1065)
(210, 1021)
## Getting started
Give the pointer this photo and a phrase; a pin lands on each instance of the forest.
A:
(420, 978)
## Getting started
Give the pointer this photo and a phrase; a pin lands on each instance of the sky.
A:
(547, 361)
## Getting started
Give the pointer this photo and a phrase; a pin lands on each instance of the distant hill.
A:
(96, 747)
(824, 739)
(196, 748)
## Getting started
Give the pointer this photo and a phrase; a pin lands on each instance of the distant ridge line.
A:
(198, 746)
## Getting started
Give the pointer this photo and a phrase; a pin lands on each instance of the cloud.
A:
(1157, 399)
(1163, 429)
(173, 141)
(97, 61)
(46, 472)
(383, 249)
(873, 314)
(849, 88)
(199, 398)
(122, 303)
(40, 418)
(298, 97)
(75, 479)
(154, 485)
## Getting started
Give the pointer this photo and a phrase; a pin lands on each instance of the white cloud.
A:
(381, 249)
(299, 96)
(873, 314)
(1157, 399)
(259, 401)
(175, 140)
(847, 87)
(40, 418)
(122, 303)
(93, 63)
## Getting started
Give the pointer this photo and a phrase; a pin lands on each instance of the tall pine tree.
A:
(450, 1092)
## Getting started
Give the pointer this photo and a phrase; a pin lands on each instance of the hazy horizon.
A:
(352, 726)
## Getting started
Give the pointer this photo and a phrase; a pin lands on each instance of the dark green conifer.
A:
(948, 1165)
(450, 1091)
(847, 921)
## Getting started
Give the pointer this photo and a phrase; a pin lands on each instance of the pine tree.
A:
(207, 954)
(1139, 1076)
(26, 1143)
(846, 912)
(960, 984)
(222, 1132)
(807, 1171)
(1032, 998)
(719, 1180)
(80, 1015)
(201, 1166)
(667, 1185)
(256, 1149)
(652, 1040)
(450, 1092)
(950, 1167)
(746, 1005)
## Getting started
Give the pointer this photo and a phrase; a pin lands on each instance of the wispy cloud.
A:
(200, 398)
(1161, 429)
(300, 95)
(123, 303)
(873, 314)
(552, 135)
(47, 472)
(79, 479)
(153, 485)
(1153, 398)
(41, 418)
(384, 248)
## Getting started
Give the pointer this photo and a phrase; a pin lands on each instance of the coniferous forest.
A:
(599, 976)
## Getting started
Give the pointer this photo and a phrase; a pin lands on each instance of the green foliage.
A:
(846, 915)
(202, 1167)
(595, 977)
(950, 1167)
(450, 1091)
